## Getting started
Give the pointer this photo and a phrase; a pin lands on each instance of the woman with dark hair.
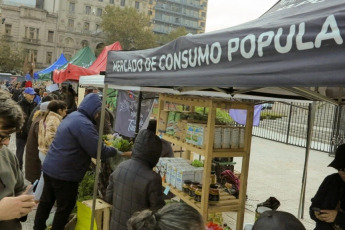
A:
(32, 160)
(57, 110)
(176, 216)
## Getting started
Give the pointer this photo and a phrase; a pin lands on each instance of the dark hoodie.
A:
(75, 143)
(134, 186)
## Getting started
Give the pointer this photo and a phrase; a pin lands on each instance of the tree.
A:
(174, 34)
(11, 57)
(130, 28)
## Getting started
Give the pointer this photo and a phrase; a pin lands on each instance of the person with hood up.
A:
(134, 186)
(67, 161)
(328, 205)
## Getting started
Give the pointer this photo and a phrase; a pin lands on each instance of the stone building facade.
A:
(47, 28)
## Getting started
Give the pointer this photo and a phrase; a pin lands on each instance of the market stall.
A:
(292, 47)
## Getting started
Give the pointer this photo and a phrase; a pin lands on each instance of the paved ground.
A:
(275, 170)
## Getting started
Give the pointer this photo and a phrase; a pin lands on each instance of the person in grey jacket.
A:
(134, 186)
(14, 205)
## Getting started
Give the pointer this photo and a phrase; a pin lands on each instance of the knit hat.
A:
(339, 160)
(44, 106)
(273, 220)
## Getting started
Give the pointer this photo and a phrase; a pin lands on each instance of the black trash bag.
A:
(271, 203)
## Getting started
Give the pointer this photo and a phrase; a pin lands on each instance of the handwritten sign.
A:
(126, 113)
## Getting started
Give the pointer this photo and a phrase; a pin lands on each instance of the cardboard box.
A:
(174, 171)
(241, 141)
(184, 173)
(171, 123)
(163, 121)
(226, 136)
(217, 140)
(169, 167)
(189, 133)
(198, 172)
(235, 137)
(199, 135)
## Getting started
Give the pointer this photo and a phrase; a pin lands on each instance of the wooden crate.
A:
(102, 213)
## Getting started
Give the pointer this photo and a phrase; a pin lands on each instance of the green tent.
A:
(84, 58)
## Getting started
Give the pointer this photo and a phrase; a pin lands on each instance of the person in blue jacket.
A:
(67, 161)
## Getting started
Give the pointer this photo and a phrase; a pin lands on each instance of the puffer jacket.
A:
(47, 130)
(134, 186)
(75, 142)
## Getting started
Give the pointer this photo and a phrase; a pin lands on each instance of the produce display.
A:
(120, 144)
(197, 163)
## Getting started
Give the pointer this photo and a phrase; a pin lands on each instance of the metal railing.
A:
(288, 123)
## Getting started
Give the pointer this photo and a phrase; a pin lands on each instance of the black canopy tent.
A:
(294, 46)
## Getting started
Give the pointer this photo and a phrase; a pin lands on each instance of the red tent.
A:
(72, 72)
(101, 62)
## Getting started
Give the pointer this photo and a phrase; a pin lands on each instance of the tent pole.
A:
(138, 114)
(99, 149)
(311, 118)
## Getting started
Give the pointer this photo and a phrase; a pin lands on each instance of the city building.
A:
(168, 15)
(46, 28)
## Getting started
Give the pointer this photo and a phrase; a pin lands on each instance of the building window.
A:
(70, 25)
(111, 1)
(137, 5)
(49, 57)
(99, 12)
(86, 26)
(203, 14)
(71, 7)
(50, 36)
(177, 20)
(8, 29)
(97, 27)
(87, 10)
(100, 0)
(123, 2)
(31, 33)
(31, 54)
(150, 12)
(202, 24)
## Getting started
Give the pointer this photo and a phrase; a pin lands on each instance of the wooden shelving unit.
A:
(227, 202)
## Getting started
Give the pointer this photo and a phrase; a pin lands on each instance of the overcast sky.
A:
(226, 13)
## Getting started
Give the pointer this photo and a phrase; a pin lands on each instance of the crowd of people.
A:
(59, 139)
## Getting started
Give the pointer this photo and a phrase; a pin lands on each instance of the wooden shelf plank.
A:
(226, 202)
(216, 152)
(228, 153)
(185, 145)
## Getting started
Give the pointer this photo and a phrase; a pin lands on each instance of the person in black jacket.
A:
(134, 186)
(28, 105)
(328, 205)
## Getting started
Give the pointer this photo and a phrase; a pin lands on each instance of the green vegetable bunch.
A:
(197, 163)
(122, 144)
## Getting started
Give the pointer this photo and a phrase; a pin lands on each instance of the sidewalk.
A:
(276, 169)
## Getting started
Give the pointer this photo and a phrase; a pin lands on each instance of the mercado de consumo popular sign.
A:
(279, 40)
